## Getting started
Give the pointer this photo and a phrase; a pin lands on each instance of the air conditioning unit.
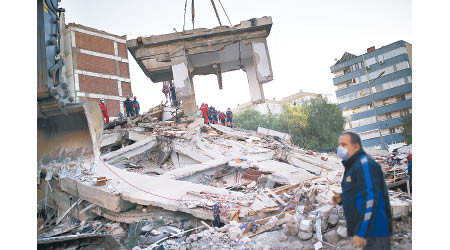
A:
(381, 62)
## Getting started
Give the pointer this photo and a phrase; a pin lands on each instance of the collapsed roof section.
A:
(181, 55)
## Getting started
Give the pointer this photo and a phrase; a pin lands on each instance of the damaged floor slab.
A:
(182, 55)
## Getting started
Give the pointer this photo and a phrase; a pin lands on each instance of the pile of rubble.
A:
(158, 183)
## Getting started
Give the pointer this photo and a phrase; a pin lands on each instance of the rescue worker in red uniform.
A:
(104, 110)
(222, 118)
(204, 109)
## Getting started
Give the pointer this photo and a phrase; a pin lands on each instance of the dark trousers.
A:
(136, 111)
(130, 113)
(378, 243)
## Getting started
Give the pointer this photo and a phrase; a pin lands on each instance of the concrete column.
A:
(261, 60)
(255, 87)
(189, 103)
(184, 86)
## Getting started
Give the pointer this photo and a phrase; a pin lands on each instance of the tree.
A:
(315, 124)
(407, 128)
(248, 119)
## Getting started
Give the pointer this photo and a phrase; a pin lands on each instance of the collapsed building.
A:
(159, 180)
(153, 172)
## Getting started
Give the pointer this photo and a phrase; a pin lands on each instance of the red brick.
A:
(96, 64)
(94, 43)
(97, 85)
(126, 89)
(124, 70)
(122, 49)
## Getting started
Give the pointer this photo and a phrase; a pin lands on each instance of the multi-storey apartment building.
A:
(96, 66)
(374, 91)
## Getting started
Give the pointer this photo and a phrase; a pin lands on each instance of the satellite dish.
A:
(335, 59)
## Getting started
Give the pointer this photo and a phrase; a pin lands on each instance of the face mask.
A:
(342, 153)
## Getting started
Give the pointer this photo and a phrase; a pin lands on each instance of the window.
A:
(388, 70)
(389, 115)
(400, 98)
(370, 61)
(378, 88)
(404, 112)
(363, 122)
(363, 78)
(409, 79)
(388, 85)
(394, 52)
(380, 58)
(392, 130)
(402, 65)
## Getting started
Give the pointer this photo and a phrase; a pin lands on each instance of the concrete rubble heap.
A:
(156, 179)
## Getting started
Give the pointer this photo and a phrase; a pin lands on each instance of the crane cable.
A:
(231, 25)
(184, 17)
(215, 10)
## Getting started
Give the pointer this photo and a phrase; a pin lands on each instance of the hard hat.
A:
(135, 97)
(102, 99)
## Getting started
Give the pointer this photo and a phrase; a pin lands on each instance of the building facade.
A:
(96, 66)
(374, 91)
(274, 106)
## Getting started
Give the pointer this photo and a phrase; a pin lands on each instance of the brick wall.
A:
(124, 70)
(97, 85)
(113, 106)
(126, 89)
(122, 49)
(96, 64)
(94, 43)
(101, 65)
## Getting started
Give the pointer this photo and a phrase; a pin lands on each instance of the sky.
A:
(305, 39)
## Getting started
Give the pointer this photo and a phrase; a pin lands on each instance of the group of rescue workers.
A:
(212, 116)
(132, 108)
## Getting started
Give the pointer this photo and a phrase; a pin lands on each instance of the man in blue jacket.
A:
(364, 196)
(128, 106)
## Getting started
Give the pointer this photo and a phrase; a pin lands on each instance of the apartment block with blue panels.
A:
(374, 91)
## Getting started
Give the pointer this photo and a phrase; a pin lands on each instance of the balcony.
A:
(395, 106)
(348, 76)
(387, 139)
(388, 123)
(403, 89)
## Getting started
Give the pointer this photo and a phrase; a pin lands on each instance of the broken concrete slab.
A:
(281, 135)
(192, 170)
(283, 173)
(305, 165)
(141, 189)
(94, 194)
(230, 132)
(136, 136)
(112, 138)
(189, 151)
(131, 150)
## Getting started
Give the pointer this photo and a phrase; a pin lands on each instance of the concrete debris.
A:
(162, 181)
